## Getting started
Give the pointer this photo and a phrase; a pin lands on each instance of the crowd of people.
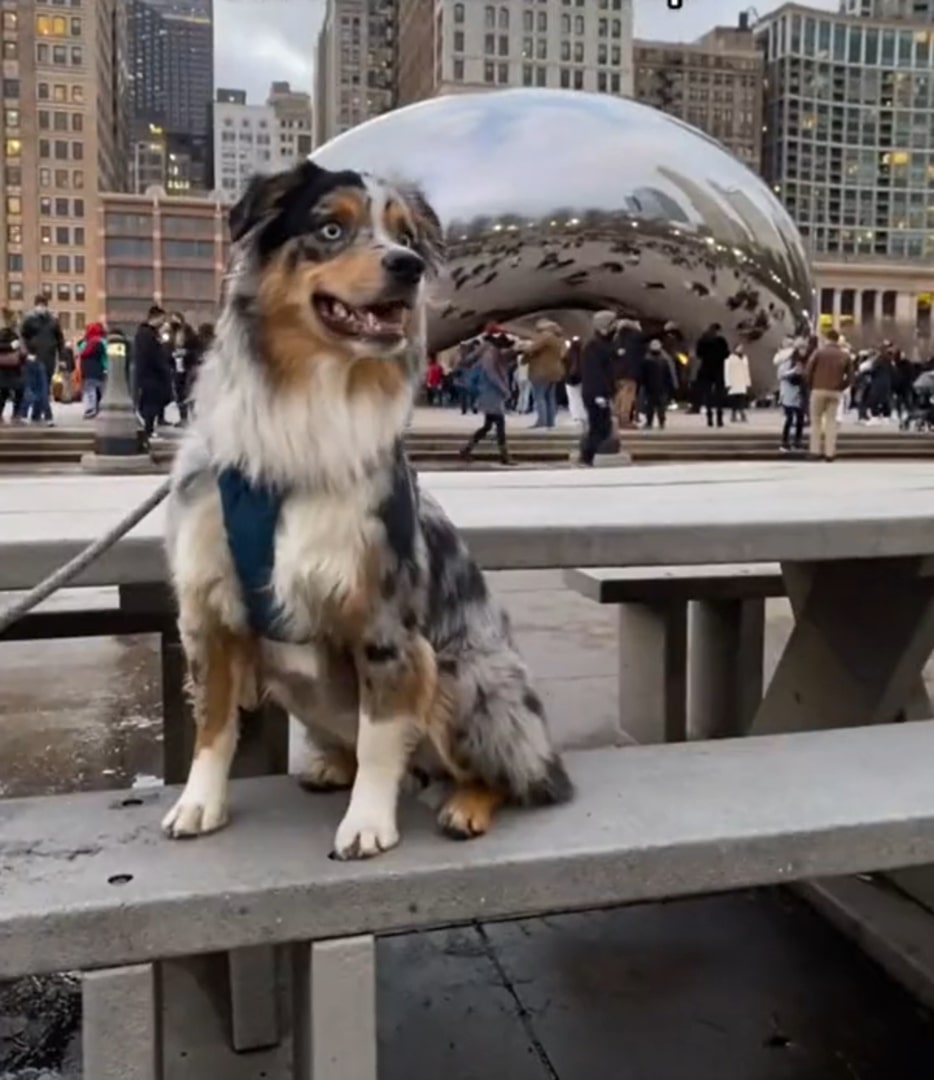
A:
(38, 366)
(623, 376)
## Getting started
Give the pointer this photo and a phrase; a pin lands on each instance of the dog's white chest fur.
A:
(321, 544)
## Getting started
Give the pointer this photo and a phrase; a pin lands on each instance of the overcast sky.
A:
(257, 41)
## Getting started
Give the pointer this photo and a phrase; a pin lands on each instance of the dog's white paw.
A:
(189, 818)
(361, 836)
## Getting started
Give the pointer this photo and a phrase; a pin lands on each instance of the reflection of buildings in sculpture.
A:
(452, 46)
(646, 202)
(726, 227)
(881, 299)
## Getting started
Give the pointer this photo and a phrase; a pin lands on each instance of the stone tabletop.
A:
(710, 513)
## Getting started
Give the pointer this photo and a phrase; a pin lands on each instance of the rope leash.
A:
(67, 573)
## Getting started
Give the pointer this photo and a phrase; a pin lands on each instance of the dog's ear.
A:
(264, 195)
(430, 232)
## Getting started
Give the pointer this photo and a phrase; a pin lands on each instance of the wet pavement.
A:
(751, 986)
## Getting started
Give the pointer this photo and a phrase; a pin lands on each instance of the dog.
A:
(307, 565)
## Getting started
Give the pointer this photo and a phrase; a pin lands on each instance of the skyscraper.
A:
(64, 141)
(849, 144)
(449, 46)
(356, 65)
(172, 63)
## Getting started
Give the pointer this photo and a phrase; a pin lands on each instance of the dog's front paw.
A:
(332, 770)
(189, 817)
(362, 836)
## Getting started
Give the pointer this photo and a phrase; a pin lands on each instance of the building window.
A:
(578, 52)
(542, 22)
(45, 264)
(11, 88)
(502, 74)
(14, 262)
(77, 93)
(42, 91)
(45, 206)
(61, 150)
(458, 13)
(79, 269)
(15, 290)
(61, 178)
(13, 176)
(42, 54)
(528, 21)
(458, 43)
(489, 72)
(77, 151)
(541, 49)
(78, 208)
(60, 121)
(565, 51)
(565, 79)
(77, 122)
(565, 24)
(541, 76)
(44, 119)
(10, 21)
(578, 24)
(489, 17)
(59, 55)
(45, 149)
(61, 208)
(489, 44)
(75, 27)
(63, 264)
(51, 25)
(11, 118)
(14, 234)
(77, 178)
(12, 147)
(617, 30)
(79, 289)
(458, 70)
(10, 50)
(527, 75)
(45, 234)
(77, 56)
(578, 79)
(78, 239)
(60, 92)
(79, 315)
(63, 293)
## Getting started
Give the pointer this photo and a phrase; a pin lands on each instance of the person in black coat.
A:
(597, 385)
(12, 366)
(712, 351)
(152, 371)
(183, 345)
(659, 382)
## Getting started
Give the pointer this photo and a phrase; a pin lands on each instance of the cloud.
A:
(257, 41)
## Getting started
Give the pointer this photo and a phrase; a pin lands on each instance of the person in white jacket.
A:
(738, 383)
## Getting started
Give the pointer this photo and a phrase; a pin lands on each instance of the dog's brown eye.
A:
(407, 240)
(331, 231)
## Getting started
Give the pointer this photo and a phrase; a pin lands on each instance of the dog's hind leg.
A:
(222, 675)
(397, 687)
(325, 764)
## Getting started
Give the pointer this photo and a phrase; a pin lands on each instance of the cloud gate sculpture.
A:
(556, 199)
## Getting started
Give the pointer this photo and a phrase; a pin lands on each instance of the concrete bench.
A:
(87, 883)
(690, 644)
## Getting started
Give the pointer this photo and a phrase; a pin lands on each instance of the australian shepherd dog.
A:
(307, 564)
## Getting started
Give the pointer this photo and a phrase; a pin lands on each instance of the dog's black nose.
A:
(404, 266)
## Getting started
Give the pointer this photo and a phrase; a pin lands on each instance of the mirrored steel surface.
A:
(558, 199)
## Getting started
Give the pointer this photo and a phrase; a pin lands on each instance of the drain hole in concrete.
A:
(120, 879)
(778, 1042)
(132, 802)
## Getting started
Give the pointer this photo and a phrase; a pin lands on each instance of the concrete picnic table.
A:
(855, 543)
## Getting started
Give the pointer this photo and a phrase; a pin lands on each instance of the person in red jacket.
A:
(92, 364)
(434, 381)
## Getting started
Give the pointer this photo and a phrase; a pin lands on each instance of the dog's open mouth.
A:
(380, 322)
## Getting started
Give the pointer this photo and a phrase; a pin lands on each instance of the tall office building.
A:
(250, 139)
(356, 57)
(450, 46)
(849, 141)
(172, 62)
(714, 83)
(64, 132)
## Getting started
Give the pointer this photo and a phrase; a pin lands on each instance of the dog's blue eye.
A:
(331, 231)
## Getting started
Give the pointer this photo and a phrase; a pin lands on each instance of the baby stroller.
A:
(920, 417)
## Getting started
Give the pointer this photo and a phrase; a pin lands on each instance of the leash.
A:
(67, 573)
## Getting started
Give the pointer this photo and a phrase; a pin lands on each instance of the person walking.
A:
(545, 356)
(827, 375)
(492, 383)
(12, 365)
(712, 351)
(572, 381)
(183, 345)
(597, 384)
(738, 383)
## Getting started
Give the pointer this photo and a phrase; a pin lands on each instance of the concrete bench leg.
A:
(653, 671)
(121, 1039)
(335, 1010)
(725, 657)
